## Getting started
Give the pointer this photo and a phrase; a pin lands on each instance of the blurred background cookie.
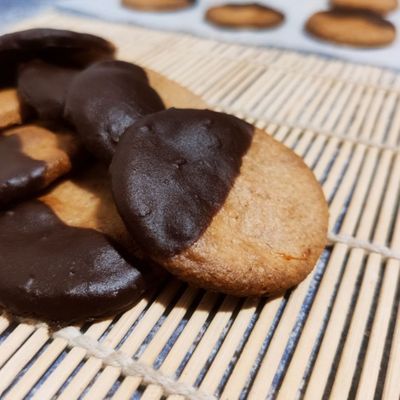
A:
(246, 15)
(351, 27)
(158, 5)
(379, 6)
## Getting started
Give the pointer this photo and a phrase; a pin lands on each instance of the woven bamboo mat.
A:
(337, 335)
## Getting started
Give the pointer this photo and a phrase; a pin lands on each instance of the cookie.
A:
(108, 97)
(263, 230)
(85, 201)
(351, 27)
(69, 269)
(382, 7)
(105, 99)
(246, 15)
(10, 108)
(32, 157)
(158, 5)
(57, 46)
(43, 88)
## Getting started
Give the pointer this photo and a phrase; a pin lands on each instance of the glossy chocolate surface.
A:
(44, 87)
(20, 175)
(107, 98)
(172, 172)
(58, 273)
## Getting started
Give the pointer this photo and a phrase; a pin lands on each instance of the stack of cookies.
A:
(110, 174)
(357, 23)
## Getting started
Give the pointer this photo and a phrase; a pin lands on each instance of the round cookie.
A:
(246, 15)
(71, 268)
(263, 236)
(382, 7)
(57, 46)
(32, 157)
(158, 5)
(351, 27)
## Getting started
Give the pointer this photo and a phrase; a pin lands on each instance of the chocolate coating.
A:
(20, 176)
(171, 173)
(44, 87)
(107, 98)
(58, 273)
(52, 45)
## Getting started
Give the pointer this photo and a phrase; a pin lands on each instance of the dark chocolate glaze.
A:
(171, 173)
(43, 87)
(57, 46)
(58, 273)
(20, 176)
(107, 98)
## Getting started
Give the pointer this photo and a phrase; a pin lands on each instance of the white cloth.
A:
(290, 35)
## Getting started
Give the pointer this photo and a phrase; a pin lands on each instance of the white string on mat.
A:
(128, 366)
(351, 241)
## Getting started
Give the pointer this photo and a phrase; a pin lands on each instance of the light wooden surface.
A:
(338, 333)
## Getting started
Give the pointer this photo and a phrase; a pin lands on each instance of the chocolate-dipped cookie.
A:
(51, 45)
(43, 87)
(378, 6)
(246, 15)
(108, 97)
(158, 5)
(105, 99)
(356, 28)
(219, 203)
(32, 157)
(62, 259)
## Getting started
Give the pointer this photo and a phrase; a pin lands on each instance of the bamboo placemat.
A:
(337, 335)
